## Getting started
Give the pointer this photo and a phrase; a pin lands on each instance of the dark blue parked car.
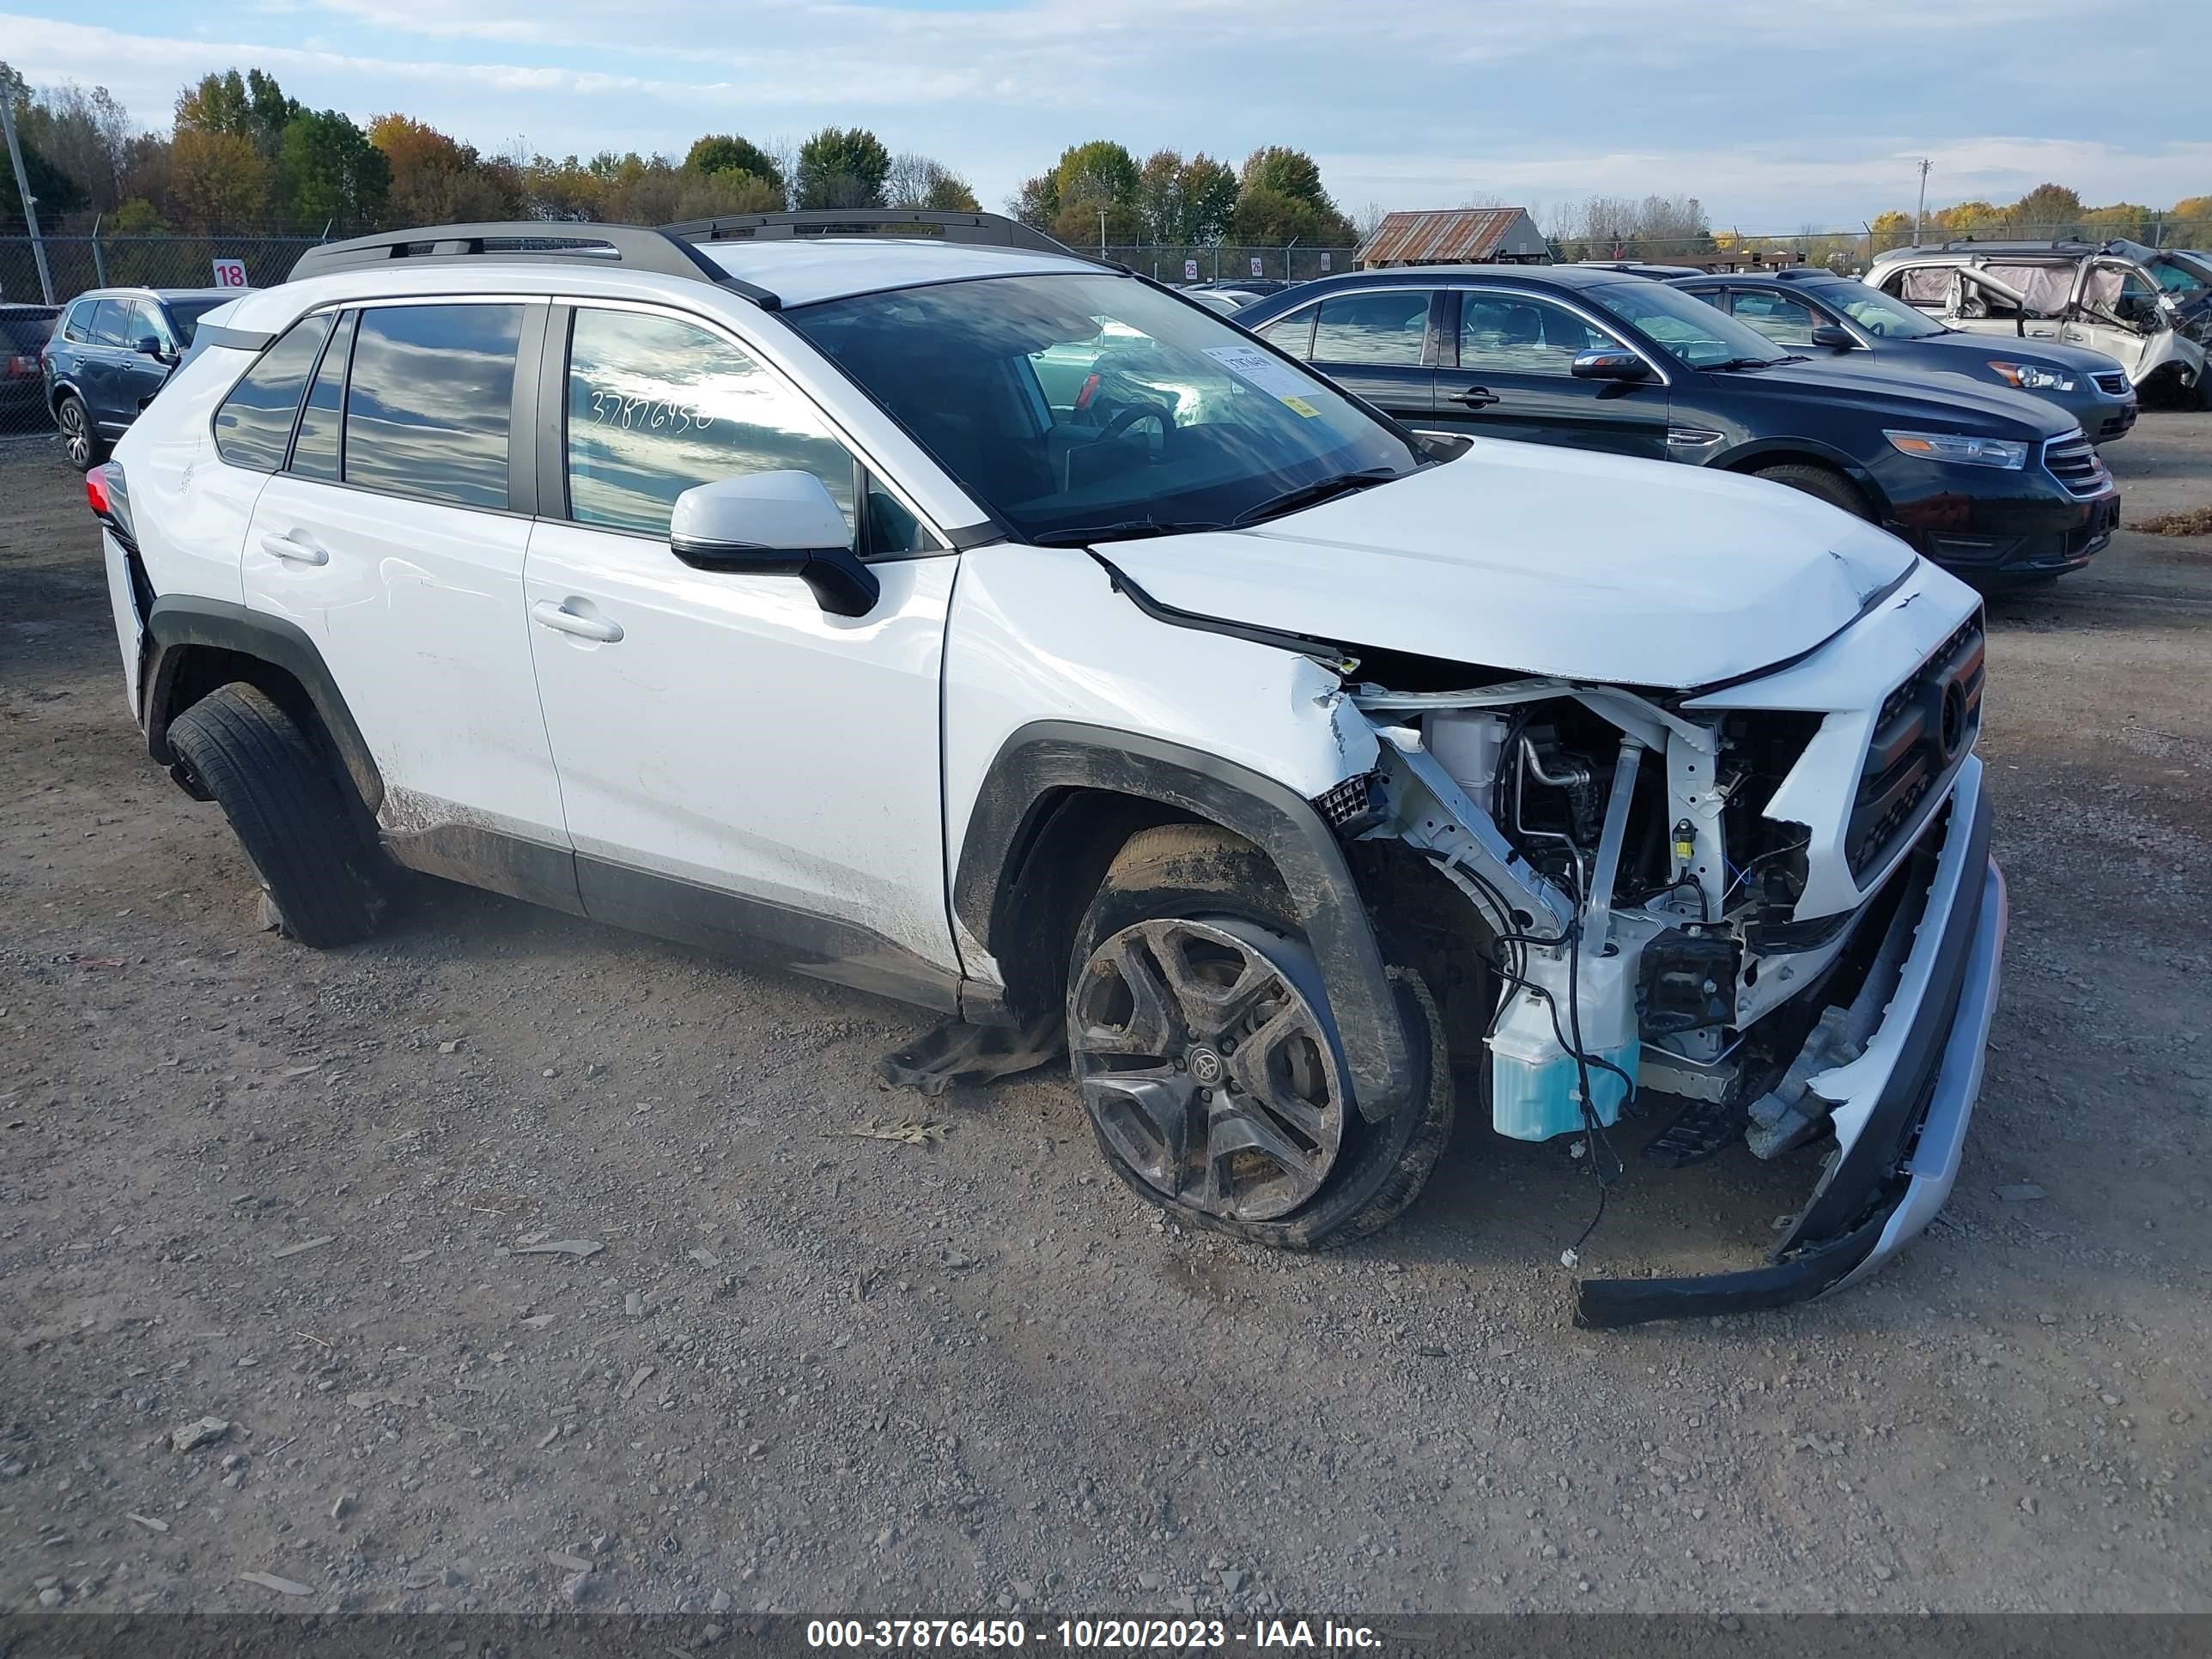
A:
(1827, 316)
(115, 349)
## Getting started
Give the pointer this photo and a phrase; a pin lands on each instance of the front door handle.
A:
(1475, 397)
(299, 552)
(563, 620)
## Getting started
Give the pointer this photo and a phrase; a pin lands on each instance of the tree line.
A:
(1100, 193)
(2047, 211)
(242, 156)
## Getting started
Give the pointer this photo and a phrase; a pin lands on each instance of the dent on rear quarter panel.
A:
(1038, 633)
(189, 509)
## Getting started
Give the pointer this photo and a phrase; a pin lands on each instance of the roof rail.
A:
(992, 229)
(530, 242)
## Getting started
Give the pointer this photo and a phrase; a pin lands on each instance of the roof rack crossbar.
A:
(531, 241)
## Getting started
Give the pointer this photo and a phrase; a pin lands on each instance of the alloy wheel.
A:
(1208, 1066)
(76, 435)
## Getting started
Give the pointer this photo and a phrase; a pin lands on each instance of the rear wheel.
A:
(1201, 1038)
(1830, 485)
(280, 788)
(80, 442)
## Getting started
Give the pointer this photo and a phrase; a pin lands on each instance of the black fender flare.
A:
(1040, 761)
(177, 623)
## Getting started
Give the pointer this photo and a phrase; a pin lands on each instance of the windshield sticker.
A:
(1277, 379)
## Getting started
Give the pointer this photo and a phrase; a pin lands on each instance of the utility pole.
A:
(1102, 230)
(30, 202)
(1920, 213)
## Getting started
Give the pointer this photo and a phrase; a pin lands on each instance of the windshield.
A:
(185, 316)
(1097, 403)
(1880, 315)
(1686, 325)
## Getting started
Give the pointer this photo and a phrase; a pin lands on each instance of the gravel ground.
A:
(802, 1370)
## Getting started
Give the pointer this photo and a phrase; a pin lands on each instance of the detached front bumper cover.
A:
(1902, 1107)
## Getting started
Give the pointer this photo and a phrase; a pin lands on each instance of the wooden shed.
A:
(1451, 236)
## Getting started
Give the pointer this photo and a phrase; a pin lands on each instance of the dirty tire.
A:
(279, 788)
(1199, 872)
(1830, 486)
(80, 437)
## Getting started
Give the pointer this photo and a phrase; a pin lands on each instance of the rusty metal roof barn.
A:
(1454, 236)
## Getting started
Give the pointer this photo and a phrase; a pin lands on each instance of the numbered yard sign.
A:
(230, 273)
(1255, 265)
(1324, 262)
(1190, 271)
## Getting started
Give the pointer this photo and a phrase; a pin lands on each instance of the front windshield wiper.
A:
(1321, 489)
(1751, 362)
(1128, 530)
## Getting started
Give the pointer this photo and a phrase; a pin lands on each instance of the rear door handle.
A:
(299, 552)
(563, 620)
(1475, 397)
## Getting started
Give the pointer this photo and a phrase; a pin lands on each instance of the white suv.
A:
(957, 618)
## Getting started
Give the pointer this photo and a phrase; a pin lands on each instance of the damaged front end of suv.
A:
(1766, 909)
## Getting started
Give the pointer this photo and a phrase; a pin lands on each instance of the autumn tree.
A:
(437, 180)
(1891, 229)
(842, 168)
(2048, 210)
(218, 182)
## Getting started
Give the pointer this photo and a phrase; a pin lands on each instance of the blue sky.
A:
(1776, 114)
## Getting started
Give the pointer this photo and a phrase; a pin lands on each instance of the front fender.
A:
(1041, 762)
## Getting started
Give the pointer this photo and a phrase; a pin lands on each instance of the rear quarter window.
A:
(253, 427)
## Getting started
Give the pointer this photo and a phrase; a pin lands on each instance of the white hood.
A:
(1544, 561)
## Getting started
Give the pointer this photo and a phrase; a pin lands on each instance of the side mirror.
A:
(1610, 364)
(775, 524)
(1835, 337)
(148, 345)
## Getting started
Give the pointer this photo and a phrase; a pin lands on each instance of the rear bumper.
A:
(1901, 1111)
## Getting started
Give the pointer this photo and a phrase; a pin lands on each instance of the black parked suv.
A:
(23, 331)
(1994, 485)
(1822, 314)
(115, 349)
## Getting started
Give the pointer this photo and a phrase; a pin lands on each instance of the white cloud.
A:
(1771, 118)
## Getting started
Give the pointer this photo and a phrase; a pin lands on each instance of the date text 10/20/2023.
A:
(1087, 1634)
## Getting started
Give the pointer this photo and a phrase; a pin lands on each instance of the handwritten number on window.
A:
(647, 414)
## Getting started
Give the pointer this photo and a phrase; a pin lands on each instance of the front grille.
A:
(2114, 385)
(2072, 461)
(2116, 426)
(1925, 727)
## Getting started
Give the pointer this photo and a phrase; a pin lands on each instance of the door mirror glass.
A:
(774, 524)
(1834, 336)
(1611, 364)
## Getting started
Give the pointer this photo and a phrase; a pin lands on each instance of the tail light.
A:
(105, 493)
(22, 367)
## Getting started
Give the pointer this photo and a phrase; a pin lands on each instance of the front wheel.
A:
(1830, 486)
(1201, 1038)
(80, 442)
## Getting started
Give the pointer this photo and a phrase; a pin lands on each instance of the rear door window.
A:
(428, 402)
(108, 323)
(1782, 319)
(78, 325)
(1293, 333)
(315, 451)
(1389, 328)
(253, 428)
